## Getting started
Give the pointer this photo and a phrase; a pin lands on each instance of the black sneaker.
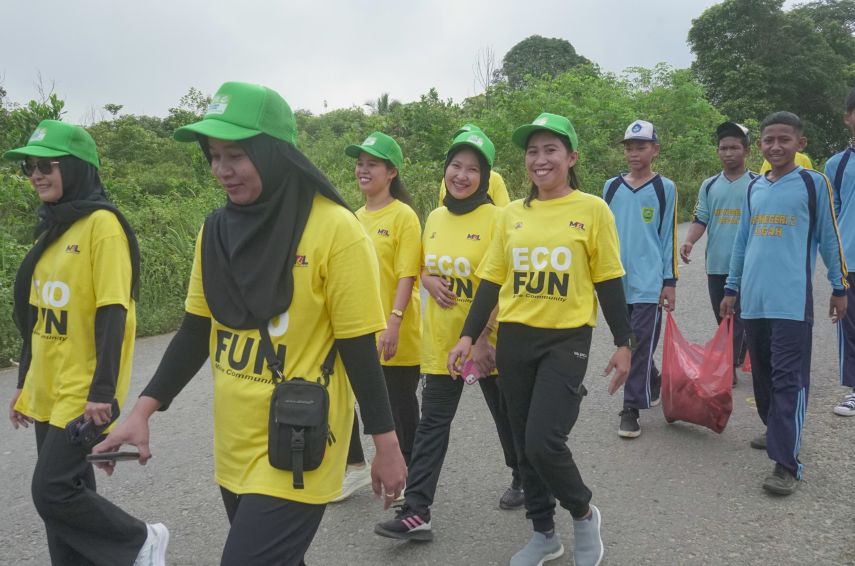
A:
(513, 498)
(407, 525)
(781, 481)
(759, 442)
(735, 378)
(655, 389)
(629, 427)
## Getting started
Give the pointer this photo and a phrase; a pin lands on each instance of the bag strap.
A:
(276, 367)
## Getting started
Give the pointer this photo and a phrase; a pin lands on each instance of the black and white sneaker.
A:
(629, 427)
(407, 525)
(846, 408)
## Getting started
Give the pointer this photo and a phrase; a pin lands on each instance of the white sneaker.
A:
(153, 551)
(846, 408)
(354, 479)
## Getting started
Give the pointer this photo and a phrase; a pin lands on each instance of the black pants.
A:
(268, 531)
(540, 376)
(715, 284)
(82, 527)
(402, 383)
(440, 399)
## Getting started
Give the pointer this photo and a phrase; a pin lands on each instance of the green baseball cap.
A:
(552, 122)
(379, 145)
(53, 138)
(479, 141)
(242, 110)
(466, 128)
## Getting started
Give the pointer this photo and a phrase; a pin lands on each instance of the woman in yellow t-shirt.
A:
(75, 308)
(455, 239)
(549, 254)
(394, 229)
(284, 280)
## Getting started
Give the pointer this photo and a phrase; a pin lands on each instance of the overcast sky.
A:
(147, 54)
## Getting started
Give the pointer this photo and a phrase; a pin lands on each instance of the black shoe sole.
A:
(417, 536)
(775, 490)
(506, 507)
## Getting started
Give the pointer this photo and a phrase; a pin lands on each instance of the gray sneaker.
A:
(587, 542)
(759, 442)
(538, 550)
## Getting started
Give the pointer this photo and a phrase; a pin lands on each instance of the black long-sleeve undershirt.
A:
(610, 294)
(109, 338)
(188, 350)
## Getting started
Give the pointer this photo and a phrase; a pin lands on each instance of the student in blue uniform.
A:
(718, 211)
(840, 170)
(787, 216)
(645, 207)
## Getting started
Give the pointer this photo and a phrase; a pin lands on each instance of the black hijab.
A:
(248, 251)
(82, 194)
(476, 199)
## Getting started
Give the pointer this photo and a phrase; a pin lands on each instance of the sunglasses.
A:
(44, 166)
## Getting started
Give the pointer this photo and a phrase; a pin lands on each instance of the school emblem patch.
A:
(647, 214)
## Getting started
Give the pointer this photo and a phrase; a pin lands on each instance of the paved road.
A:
(679, 494)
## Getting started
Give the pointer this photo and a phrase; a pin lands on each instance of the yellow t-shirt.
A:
(496, 189)
(335, 296)
(801, 160)
(453, 246)
(395, 232)
(88, 267)
(548, 257)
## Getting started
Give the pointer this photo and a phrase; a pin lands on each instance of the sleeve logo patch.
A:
(72, 249)
(476, 237)
(577, 225)
(383, 232)
(518, 226)
(647, 214)
(302, 261)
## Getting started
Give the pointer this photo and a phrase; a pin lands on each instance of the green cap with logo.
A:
(466, 128)
(554, 123)
(379, 145)
(477, 140)
(53, 138)
(242, 110)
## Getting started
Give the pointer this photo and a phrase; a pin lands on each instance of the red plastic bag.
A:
(697, 380)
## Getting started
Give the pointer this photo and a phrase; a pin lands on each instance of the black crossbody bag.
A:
(299, 416)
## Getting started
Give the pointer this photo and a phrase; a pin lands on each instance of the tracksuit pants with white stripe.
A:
(780, 365)
(646, 322)
(846, 340)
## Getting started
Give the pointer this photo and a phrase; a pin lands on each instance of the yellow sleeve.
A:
(494, 267)
(803, 160)
(352, 290)
(408, 255)
(441, 192)
(195, 302)
(111, 262)
(604, 247)
(498, 191)
(765, 168)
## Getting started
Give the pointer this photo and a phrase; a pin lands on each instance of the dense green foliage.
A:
(753, 58)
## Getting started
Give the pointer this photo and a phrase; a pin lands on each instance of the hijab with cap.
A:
(476, 199)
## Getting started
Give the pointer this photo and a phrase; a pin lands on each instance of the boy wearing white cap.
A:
(645, 207)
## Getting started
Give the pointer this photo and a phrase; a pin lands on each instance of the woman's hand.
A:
(100, 413)
(134, 430)
(458, 355)
(388, 469)
(387, 344)
(619, 364)
(484, 357)
(18, 419)
(440, 290)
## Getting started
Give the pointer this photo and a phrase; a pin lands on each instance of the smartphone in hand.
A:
(86, 432)
(112, 456)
